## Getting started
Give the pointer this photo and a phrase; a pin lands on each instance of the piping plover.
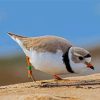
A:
(53, 55)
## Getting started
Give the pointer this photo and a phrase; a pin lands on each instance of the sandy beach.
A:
(74, 88)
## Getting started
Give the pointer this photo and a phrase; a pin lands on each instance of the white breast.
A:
(50, 63)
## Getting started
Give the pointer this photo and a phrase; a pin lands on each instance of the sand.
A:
(74, 88)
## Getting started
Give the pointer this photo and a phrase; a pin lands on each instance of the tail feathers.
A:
(14, 36)
(19, 39)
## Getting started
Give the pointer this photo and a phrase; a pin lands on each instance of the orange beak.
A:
(89, 65)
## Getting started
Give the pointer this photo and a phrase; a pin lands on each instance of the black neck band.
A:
(66, 61)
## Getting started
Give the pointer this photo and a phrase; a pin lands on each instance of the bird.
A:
(53, 54)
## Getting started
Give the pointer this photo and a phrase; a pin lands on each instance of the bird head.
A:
(79, 59)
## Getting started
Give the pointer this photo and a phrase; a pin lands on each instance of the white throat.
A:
(76, 67)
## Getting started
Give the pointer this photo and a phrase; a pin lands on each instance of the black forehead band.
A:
(87, 56)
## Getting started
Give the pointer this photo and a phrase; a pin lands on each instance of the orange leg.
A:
(29, 69)
(57, 77)
(27, 60)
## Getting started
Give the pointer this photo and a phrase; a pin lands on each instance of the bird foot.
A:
(57, 77)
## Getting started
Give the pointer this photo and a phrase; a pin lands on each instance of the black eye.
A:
(81, 58)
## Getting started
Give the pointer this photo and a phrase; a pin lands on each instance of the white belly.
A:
(50, 63)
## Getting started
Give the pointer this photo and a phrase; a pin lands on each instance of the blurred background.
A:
(76, 20)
